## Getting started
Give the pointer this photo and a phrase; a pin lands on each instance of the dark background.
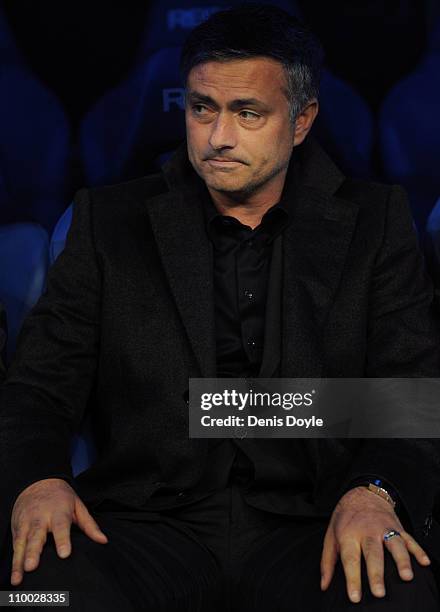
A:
(81, 49)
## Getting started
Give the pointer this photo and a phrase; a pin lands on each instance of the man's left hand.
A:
(357, 526)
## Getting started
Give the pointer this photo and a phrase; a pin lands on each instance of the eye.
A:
(198, 109)
(249, 115)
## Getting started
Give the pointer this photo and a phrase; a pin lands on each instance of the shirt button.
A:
(250, 242)
(181, 494)
(251, 343)
(249, 294)
(239, 432)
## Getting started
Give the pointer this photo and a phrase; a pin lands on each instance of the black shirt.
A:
(241, 275)
(241, 266)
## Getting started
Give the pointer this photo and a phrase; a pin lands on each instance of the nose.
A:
(223, 134)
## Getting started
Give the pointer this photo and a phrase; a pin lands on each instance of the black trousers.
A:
(215, 555)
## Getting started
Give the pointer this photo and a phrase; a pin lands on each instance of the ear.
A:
(304, 121)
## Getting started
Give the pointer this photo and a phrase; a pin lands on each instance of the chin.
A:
(225, 187)
(222, 184)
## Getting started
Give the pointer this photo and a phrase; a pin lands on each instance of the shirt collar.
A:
(274, 220)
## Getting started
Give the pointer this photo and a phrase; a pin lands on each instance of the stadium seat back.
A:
(24, 256)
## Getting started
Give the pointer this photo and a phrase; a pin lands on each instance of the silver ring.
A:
(390, 533)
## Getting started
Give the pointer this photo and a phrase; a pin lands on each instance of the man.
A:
(250, 255)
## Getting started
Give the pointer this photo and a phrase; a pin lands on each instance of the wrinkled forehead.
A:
(260, 78)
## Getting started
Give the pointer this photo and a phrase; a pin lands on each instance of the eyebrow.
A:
(195, 96)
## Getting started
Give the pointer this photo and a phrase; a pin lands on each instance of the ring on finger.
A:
(391, 533)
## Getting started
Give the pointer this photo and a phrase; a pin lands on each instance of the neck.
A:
(249, 209)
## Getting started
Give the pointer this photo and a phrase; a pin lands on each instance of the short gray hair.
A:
(301, 88)
(260, 30)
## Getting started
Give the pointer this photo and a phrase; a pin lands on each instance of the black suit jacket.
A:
(128, 317)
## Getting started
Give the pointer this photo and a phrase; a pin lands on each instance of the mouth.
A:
(223, 163)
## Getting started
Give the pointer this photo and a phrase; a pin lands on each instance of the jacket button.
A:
(427, 525)
(158, 483)
(181, 494)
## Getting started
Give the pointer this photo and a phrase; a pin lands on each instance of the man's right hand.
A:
(47, 505)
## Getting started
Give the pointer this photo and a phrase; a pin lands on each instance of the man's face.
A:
(239, 133)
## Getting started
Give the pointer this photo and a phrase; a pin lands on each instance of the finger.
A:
(398, 550)
(414, 548)
(36, 539)
(19, 546)
(374, 558)
(329, 558)
(88, 524)
(60, 527)
(351, 562)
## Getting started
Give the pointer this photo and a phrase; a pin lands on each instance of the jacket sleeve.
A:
(403, 341)
(46, 390)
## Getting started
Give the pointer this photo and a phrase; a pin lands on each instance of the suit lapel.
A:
(315, 246)
(178, 226)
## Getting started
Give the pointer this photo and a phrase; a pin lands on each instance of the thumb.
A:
(328, 558)
(87, 523)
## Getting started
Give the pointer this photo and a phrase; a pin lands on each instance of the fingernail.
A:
(64, 551)
(407, 573)
(379, 591)
(322, 582)
(355, 596)
(426, 559)
(28, 563)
